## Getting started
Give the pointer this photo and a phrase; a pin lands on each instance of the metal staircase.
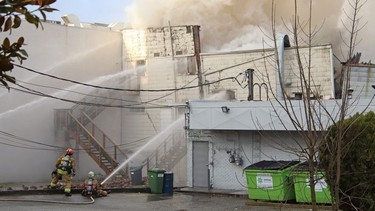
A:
(168, 153)
(76, 124)
(95, 142)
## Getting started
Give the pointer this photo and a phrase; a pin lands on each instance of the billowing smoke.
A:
(244, 24)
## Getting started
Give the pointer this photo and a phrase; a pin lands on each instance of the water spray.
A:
(155, 138)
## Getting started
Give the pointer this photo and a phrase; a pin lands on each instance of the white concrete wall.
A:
(163, 70)
(230, 64)
(83, 54)
(157, 42)
(75, 53)
(362, 78)
(226, 175)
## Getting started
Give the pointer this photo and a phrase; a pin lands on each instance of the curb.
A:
(75, 191)
(285, 205)
(211, 193)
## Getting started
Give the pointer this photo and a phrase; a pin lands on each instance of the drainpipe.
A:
(250, 84)
(282, 41)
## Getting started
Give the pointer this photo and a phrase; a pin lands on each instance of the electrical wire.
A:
(76, 92)
(38, 93)
(27, 140)
(120, 89)
(239, 64)
(97, 96)
(54, 148)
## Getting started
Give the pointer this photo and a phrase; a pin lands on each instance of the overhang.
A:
(266, 115)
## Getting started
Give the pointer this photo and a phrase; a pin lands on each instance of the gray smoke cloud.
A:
(243, 24)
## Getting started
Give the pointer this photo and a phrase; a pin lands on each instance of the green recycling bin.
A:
(155, 180)
(302, 185)
(270, 180)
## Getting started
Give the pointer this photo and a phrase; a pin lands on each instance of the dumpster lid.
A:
(304, 166)
(271, 165)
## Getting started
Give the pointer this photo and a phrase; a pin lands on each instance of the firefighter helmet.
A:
(91, 174)
(69, 151)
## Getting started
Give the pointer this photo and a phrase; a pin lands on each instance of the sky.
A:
(91, 11)
(228, 24)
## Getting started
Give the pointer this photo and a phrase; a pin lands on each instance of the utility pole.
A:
(197, 52)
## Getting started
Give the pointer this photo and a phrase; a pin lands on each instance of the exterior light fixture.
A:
(238, 160)
(225, 109)
(350, 93)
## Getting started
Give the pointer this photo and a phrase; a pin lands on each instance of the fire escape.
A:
(77, 125)
(169, 152)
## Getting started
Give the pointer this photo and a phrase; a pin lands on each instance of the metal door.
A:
(200, 164)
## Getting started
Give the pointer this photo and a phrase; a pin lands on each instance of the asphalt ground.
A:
(178, 201)
(40, 197)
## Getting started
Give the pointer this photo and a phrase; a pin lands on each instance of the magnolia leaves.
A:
(11, 13)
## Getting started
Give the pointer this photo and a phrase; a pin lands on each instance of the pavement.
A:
(40, 197)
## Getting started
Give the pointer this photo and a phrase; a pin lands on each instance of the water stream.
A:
(172, 128)
(176, 125)
(63, 93)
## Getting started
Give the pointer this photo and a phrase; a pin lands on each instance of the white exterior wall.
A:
(253, 130)
(226, 175)
(321, 70)
(70, 52)
(84, 54)
(156, 42)
(165, 52)
(213, 63)
(362, 78)
(157, 50)
(222, 65)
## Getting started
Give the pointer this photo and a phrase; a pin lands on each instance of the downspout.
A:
(250, 83)
(333, 93)
(282, 41)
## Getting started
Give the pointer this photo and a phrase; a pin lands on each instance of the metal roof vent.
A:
(71, 20)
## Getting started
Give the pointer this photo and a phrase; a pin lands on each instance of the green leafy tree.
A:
(12, 13)
(357, 187)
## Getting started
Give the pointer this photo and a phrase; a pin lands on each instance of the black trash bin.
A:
(168, 183)
(136, 175)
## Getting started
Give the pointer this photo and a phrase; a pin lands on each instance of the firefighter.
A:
(91, 187)
(66, 168)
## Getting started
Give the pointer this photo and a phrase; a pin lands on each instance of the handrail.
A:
(162, 147)
(116, 148)
(91, 137)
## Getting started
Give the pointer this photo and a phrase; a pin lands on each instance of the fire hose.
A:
(50, 201)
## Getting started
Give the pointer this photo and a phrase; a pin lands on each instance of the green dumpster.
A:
(270, 180)
(302, 185)
(155, 180)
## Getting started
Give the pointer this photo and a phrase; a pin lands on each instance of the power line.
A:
(9, 136)
(31, 91)
(76, 92)
(38, 93)
(120, 89)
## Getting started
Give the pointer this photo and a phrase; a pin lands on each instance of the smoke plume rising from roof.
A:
(241, 24)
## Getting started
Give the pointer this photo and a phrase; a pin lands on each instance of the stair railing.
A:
(97, 138)
(160, 154)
